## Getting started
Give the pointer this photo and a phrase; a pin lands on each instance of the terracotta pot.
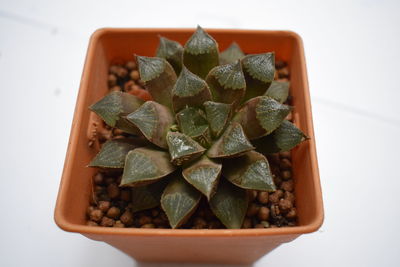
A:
(240, 246)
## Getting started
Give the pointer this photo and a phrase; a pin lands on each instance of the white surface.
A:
(353, 55)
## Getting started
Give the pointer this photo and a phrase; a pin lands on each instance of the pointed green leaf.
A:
(227, 83)
(204, 175)
(182, 148)
(114, 107)
(148, 196)
(217, 116)
(200, 53)
(113, 152)
(261, 115)
(159, 78)
(278, 91)
(179, 201)
(259, 71)
(250, 171)
(171, 51)
(193, 123)
(189, 90)
(229, 204)
(232, 143)
(286, 137)
(146, 165)
(154, 121)
(231, 54)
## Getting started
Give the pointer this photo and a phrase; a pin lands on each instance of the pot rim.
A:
(65, 225)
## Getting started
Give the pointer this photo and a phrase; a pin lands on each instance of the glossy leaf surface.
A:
(146, 165)
(154, 121)
(114, 107)
(250, 171)
(112, 153)
(182, 148)
(204, 175)
(232, 143)
(229, 204)
(179, 201)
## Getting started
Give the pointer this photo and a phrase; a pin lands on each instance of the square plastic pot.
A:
(238, 246)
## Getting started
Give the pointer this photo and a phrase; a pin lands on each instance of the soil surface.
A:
(110, 205)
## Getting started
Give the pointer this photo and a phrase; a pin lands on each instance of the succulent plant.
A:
(206, 132)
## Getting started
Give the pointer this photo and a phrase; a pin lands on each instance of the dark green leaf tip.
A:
(233, 142)
(145, 165)
(270, 113)
(179, 201)
(231, 54)
(230, 75)
(168, 48)
(115, 104)
(229, 204)
(188, 84)
(150, 67)
(182, 148)
(250, 171)
(112, 153)
(200, 43)
(260, 66)
(278, 91)
(217, 115)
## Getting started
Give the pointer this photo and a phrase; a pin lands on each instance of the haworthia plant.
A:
(206, 133)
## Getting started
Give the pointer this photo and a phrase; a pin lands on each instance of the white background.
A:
(353, 54)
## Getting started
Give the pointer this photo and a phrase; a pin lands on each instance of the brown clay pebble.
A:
(114, 69)
(122, 72)
(259, 225)
(286, 175)
(119, 224)
(126, 195)
(109, 180)
(289, 117)
(252, 210)
(252, 195)
(263, 214)
(96, 215)
(285, 164)
(135, 75)
(158, 221)
(89, 210)
(274, 158)
(144, 220)
(127, 218)
(247, 223)
(104, 206)
(113, 212)
(289, 196)
(112, 80)
(98, 178)
(130, 65)
(291, 214)
(199, 223)
(113, 190)
(287, 185)
(274, 197)
(263, 197)
(148, 225)
(91, 223)
(285, 154)
(155, 212)
(285, 205)
(128, 86)
(279, 64)
(107, 222)
(283, 73)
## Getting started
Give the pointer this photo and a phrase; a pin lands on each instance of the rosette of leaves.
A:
(208, 129)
